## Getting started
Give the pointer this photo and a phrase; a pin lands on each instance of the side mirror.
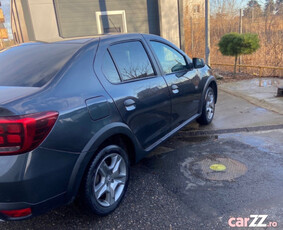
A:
(178, 67)
(198, 63)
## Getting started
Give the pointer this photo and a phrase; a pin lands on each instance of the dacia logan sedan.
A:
(75, 114)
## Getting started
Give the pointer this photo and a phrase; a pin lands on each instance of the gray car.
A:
(75, 114)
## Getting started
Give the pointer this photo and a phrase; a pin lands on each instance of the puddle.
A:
(212, 170)
(259, 109)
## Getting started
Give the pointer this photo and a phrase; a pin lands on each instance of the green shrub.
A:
(234, 44)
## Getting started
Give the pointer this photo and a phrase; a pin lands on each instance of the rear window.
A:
(33, 65)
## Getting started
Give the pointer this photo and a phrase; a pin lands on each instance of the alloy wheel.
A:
(210, 104)
(110, 179)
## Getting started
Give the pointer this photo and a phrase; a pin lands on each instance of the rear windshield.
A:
(33, 65)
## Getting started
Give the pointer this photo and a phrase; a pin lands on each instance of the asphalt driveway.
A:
(175, 187)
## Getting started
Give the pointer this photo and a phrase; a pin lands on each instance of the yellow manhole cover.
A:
(218, 167)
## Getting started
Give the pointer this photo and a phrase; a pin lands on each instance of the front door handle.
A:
(175, 89)
(130, 104)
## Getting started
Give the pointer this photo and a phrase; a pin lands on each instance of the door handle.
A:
(175, 89)
(130, 104)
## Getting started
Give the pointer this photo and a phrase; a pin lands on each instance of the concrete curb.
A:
(198, 133)
(258, 102)
(195, 133)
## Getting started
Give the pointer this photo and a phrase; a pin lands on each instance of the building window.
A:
(111, 21)
(196, 8)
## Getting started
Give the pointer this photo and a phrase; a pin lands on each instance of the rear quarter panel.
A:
(67, 94)
(46, 171)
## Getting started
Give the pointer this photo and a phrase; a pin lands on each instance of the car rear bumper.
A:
(36, 209)
(37, 180)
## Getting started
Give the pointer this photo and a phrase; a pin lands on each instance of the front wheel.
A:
(208, 108)
(106, 181)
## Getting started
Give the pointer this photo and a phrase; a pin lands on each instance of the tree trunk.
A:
(235, 65)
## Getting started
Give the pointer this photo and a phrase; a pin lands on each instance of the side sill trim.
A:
(151, 147)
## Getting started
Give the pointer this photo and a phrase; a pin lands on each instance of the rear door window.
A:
(132, 60)
(109, 69)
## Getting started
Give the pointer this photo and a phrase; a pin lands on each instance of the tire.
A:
(106, 180)
(208, 107)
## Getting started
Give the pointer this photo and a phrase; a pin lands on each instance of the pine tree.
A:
(253, 9)
(279, 7)
(234, 44)
(269, 7)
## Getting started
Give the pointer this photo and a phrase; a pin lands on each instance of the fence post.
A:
(260, 76)
(240, 32)
(207, 32)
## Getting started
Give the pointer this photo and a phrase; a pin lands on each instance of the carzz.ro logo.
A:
(253, 221)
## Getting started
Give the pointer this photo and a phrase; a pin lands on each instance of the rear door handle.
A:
(175, 89)
(130, 104)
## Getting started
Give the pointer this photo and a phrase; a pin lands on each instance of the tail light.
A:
(17, 213)
(20, 134)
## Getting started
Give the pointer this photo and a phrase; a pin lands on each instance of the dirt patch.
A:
(229, 76)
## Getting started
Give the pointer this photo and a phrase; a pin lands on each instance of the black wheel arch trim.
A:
(208, 82)
(90, 150)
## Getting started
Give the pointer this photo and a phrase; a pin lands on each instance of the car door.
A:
(182, 80)
(137, 88)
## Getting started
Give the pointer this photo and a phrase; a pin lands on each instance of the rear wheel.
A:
(107, 180)
(208, 108)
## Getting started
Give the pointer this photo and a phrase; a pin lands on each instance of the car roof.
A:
(82, 41)
(86, 40)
